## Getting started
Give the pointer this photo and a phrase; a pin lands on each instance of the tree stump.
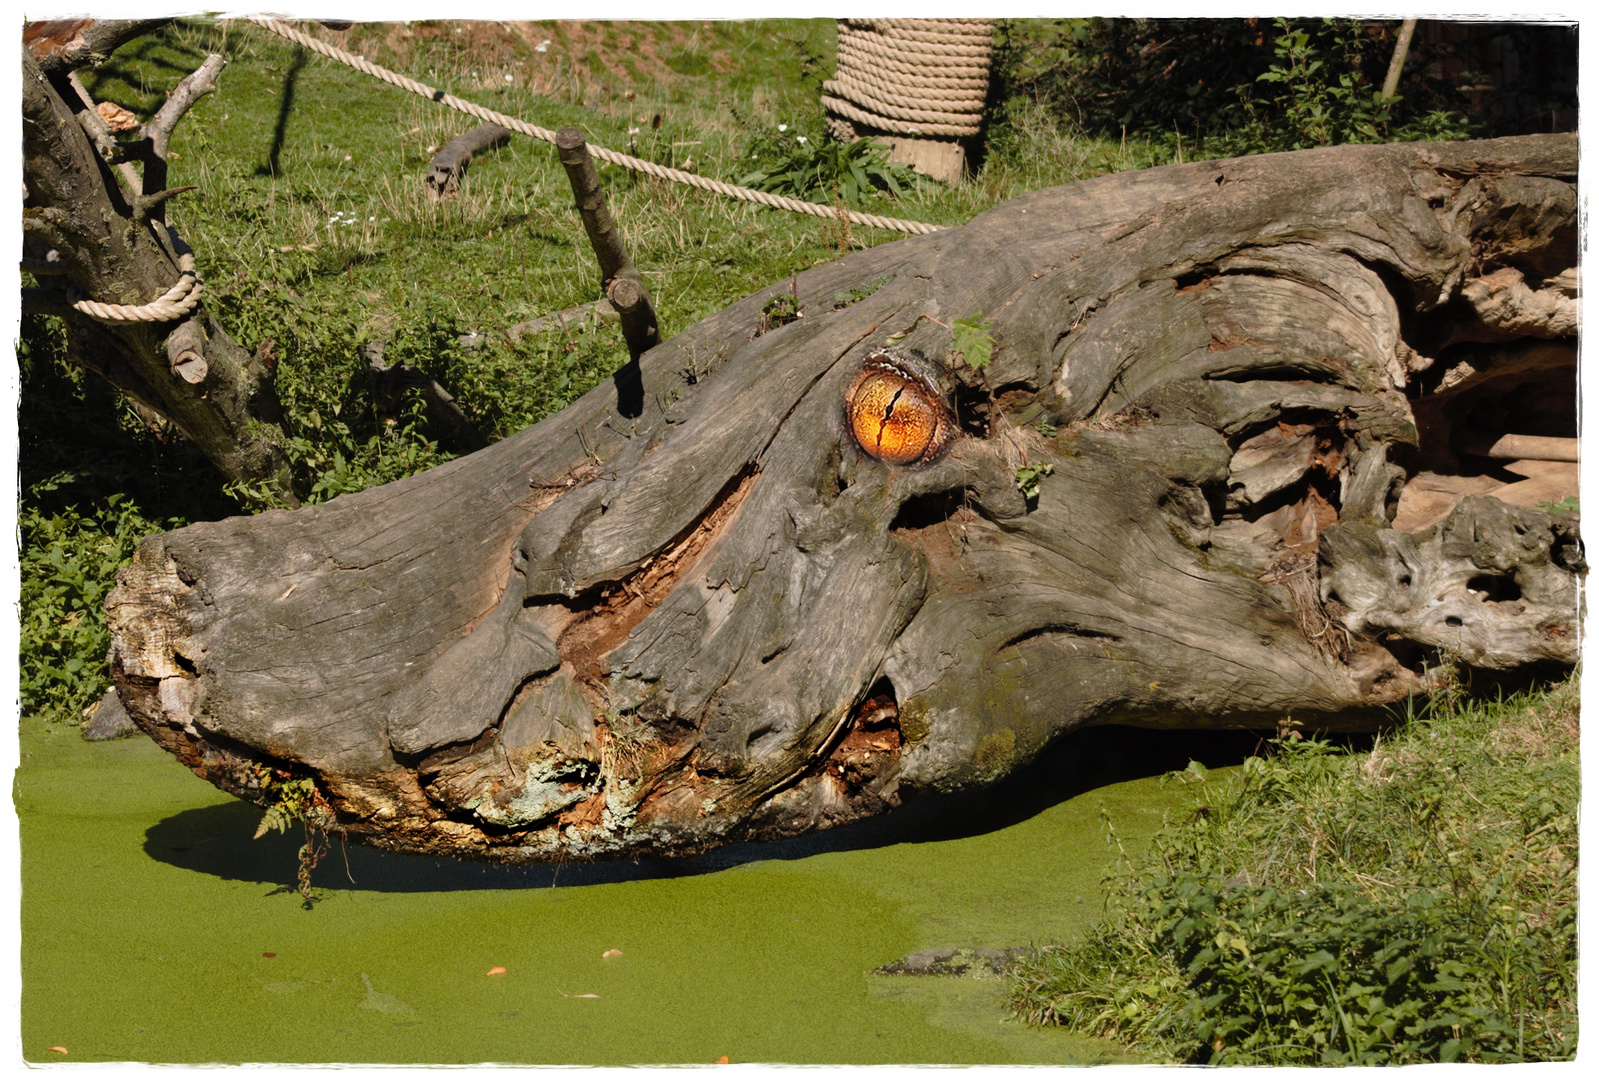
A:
(843, 562)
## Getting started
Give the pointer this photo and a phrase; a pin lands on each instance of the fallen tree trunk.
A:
(845, 561)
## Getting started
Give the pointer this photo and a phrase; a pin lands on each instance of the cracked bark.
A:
(724, 620)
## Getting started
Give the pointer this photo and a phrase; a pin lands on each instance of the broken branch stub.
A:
(449, 165)
(829, 567)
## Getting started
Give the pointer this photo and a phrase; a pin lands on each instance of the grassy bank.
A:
(1414, 902)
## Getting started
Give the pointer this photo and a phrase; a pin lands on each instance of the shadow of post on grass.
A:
(280, 130)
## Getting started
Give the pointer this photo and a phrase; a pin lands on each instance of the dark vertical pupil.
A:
(888, 414)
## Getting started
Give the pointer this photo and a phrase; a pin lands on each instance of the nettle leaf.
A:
(973, 340)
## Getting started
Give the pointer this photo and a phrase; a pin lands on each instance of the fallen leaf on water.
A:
(58, 1049)
(608, 953)
(496, 970)
(722, 1060)
(564, 994)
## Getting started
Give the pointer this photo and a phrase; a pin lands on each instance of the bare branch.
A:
(100, 134)
(598, 309)
(391, 381)
(196, 85)
(450, 164)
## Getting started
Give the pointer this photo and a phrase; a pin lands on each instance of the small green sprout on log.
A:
(1027, 478)
(974, 342)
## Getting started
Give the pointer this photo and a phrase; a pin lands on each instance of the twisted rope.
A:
(175, 303)
(649, 168)
(912, 76)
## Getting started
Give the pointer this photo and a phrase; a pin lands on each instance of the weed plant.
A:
(1413, 903)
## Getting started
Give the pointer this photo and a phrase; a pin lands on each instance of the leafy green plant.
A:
(1028, 477)
(69, 560)
(1414, 903)
(1568, 505)
(852, 170)
(972, 341)
(1219, 87)
(294, 799)
(1317, 94)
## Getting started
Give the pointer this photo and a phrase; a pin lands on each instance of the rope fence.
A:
(626, 161)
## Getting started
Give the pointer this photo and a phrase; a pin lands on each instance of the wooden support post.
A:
(620, 279)
(593, 208)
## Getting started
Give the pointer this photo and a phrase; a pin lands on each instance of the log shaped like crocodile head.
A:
(836, 562)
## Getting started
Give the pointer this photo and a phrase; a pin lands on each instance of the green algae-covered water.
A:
(155, 929)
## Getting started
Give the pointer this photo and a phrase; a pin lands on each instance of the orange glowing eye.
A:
(895, 410)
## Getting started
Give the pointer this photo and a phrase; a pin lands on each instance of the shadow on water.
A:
(216, 840)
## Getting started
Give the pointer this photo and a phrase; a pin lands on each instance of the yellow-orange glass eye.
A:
(896, 412)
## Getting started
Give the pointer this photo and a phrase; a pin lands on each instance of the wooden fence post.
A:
(620, 279)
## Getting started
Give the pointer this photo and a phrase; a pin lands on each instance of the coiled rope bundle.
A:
(919, 77)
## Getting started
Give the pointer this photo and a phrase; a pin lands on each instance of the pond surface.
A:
(155, 929)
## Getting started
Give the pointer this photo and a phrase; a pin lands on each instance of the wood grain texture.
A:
(723, 620)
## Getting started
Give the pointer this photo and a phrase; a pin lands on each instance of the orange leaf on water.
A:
(608, 953)
(722, 1060)
(58, 1049)
(496, 970)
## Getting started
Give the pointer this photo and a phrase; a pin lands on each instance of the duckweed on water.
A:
(155, 929)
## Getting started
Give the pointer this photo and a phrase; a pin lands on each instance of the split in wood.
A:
(449, 165)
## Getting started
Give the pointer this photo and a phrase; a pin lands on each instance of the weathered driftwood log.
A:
(834, 565)
(450, 163)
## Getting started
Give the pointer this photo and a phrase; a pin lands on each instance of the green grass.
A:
(1413, 903)
(314, 234)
